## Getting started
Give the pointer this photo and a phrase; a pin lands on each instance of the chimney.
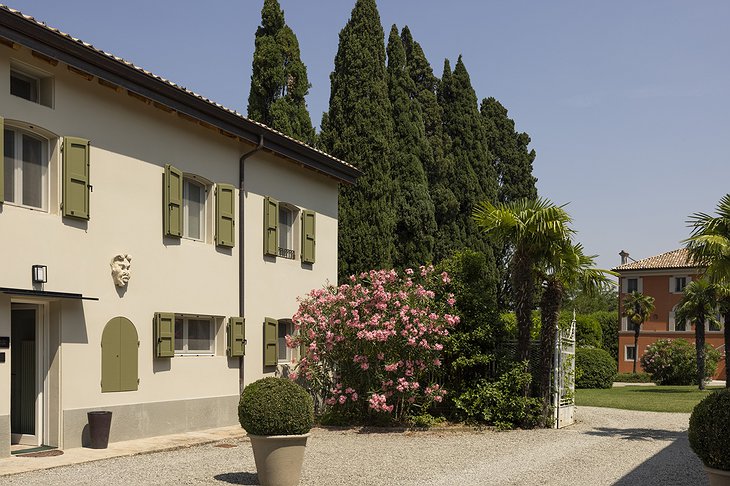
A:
(624, 257)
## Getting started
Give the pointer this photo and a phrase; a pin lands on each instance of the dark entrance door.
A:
(23, 389)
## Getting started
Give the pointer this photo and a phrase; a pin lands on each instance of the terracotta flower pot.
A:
(279, 458)
(718, 477)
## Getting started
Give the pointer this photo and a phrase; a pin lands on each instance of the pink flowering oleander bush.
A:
(371, 347)
(674, 362)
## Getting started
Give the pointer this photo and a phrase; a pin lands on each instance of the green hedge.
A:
(275, 406)
(709, 430)
(633, 378)
(594, 368)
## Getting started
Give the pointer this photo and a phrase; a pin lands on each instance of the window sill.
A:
(193, 355)
(31, 208)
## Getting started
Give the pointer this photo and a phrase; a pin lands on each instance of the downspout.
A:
(241, 259)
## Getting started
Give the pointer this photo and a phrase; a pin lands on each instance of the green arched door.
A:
(119, 349)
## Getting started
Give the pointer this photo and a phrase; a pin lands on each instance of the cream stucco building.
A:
(217, 218)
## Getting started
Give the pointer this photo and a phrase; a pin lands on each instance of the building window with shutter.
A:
(25, 168)
(679, 284)
(287, 215)
(629, 353)
(632, 285)
(194, 335)
(194, 199)
(285, 328)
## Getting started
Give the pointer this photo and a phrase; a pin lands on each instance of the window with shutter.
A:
(236, 337)
(309, 244)
(225, 210)
(172, 202)
(76, 188)
(164, 335)
(271, 226)
(271, 351)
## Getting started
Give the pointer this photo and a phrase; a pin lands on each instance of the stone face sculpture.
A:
(120, 269)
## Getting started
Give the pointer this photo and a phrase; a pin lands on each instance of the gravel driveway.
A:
(607, 446)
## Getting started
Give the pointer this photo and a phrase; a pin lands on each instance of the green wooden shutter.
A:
(164, 335)
(271, 226)
(309, 243)
(110, 362)
(2, 163)
(172, 202)
(271, 343)
(75, 193)
(128, 350)
(225, 215)
(236, 336)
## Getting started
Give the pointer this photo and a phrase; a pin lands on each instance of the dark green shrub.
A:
(502, 403)
(674, 362)
(633, 378)
(425, 421)
(594, 368)
(587, 329)
(709, 430)
(609, 323)
(275, 406)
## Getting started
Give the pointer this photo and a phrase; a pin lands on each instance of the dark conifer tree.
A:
(358, 128)
(512, 157)
(475, 179)
(415, 222)
(440, 165)
(279, 81)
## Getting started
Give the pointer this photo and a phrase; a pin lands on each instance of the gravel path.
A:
(607, 446)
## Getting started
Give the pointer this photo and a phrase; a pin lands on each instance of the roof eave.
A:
(43, 40)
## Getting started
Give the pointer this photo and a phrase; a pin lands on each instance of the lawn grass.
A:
(646, 398)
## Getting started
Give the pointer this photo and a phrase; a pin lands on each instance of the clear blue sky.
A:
(626, 102)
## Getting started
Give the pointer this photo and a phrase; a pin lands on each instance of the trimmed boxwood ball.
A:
(709, 430)
(594, 368)
(275, 406)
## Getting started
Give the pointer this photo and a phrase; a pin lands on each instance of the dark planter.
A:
(99, 425)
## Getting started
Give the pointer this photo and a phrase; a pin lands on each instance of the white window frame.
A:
(43, 81)
(190, 179)
(35, 81)
(286, 232)
(17, 167)
(626, 352)
(288, 327)
(673, 280)
(625, 284)
(184, 321)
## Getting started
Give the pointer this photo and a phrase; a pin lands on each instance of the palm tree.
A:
(531, 227)
(567, 268)
(709, 245)
(637, 309)
(698, 305)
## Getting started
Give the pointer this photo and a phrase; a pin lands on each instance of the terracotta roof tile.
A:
(668, 260)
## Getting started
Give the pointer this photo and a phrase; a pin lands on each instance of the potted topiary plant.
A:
(709, 435)
(277, 414)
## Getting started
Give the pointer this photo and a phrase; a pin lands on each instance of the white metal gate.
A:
(564, 377)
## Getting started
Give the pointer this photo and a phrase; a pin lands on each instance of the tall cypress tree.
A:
(415, 221)
(279, 81)
(440, 165)
(475, 179)
(358, 128)
(512, 158)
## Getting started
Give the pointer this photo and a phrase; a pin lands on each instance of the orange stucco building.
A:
(664, 278)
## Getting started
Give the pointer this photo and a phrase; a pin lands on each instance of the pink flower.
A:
(342, 399)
